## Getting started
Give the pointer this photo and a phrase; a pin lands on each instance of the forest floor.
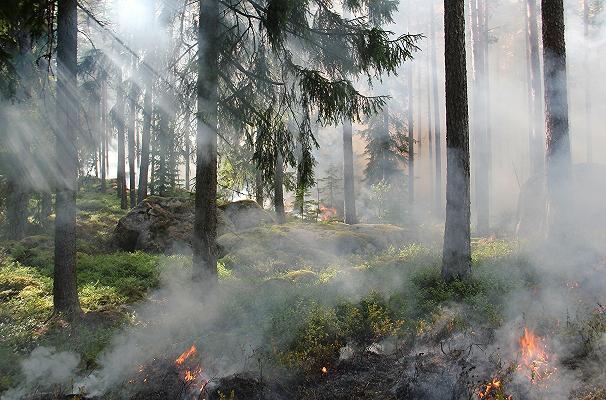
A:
(375, 324)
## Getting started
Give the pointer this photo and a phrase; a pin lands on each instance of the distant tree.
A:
(558, 160)
(456, 261)
(480, 125)
(386, 149)
(145, 139)
(118, 113)
(65, 290)
(437, 121)
(537, 120)
(349, 192)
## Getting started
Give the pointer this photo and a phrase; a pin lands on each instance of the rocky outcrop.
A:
(165, 224)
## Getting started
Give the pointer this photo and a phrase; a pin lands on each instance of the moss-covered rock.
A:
(165, 224)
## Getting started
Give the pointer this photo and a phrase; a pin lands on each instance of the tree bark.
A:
(279, 187)
(259, 187)
(205, 223)
(132, 118)
(120, 125)
(558, 158)
(145, 140)
(65, 290)
(349, 192)
(588, 125)
(456, 261)
(186, 160)
(437, 129)
(411, 139)
(103, 162)
(16, 207)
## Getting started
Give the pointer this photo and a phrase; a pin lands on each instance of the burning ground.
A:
(379, 323)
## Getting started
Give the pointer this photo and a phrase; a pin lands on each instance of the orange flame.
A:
(324, 370)
(186, 354)
(326, 214)
(493, 390)
(535, 360)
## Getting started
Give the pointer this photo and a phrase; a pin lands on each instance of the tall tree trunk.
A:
(46, 207)
(205, 224)
(349, 192)
(132, 118)
(537, 153)
(259, 187)
(588, 125)
(558, 159)
(16, 206)
(411, 140)
(456, 261)
(121, 175)
(65, 289)
(187, 154)
(279, 187)
(103, 137)
(145, 140)
(480, 117)
(430, 132)
(436, 119)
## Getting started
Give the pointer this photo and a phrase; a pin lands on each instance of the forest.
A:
(302, 199)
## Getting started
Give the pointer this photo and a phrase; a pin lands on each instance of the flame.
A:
(324, 371)
(535, 360)
(492, 390)
(326, 213)
(186, 354)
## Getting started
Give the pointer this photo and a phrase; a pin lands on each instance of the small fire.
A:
(535, 360)
(186, 354)
(324, 371)
(493, 390)
(326, 213)
(191, 372)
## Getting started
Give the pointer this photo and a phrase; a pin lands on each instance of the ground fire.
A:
(535, 361)
(191, 373)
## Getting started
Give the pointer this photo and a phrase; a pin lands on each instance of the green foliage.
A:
(369, 321)
(306, 336)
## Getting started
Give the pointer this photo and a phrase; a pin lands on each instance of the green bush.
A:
(369, 321)
(131, 274)
(306, 336)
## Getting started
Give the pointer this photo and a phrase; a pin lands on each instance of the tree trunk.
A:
(480, 117)
(186, 161)
(558, 159)
(349, 192)
(132, 118)
(259, 187)
(205, 223)
(121, 174)
(279, 188)
(537, 154)
(588, 83)
(103, 162)
(456, 260)
(16, 207)
(46, 207)
(145, 140)
(411, 140)
(65, 289)
(436, 120)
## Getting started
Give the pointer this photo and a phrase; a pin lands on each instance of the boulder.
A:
(246, 214)
(165, 224)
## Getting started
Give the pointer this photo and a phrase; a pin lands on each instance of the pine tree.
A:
(65, 291)
(456, 258)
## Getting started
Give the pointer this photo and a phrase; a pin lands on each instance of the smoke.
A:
(44, 369)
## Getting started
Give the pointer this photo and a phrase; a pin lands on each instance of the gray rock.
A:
(165, 224)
